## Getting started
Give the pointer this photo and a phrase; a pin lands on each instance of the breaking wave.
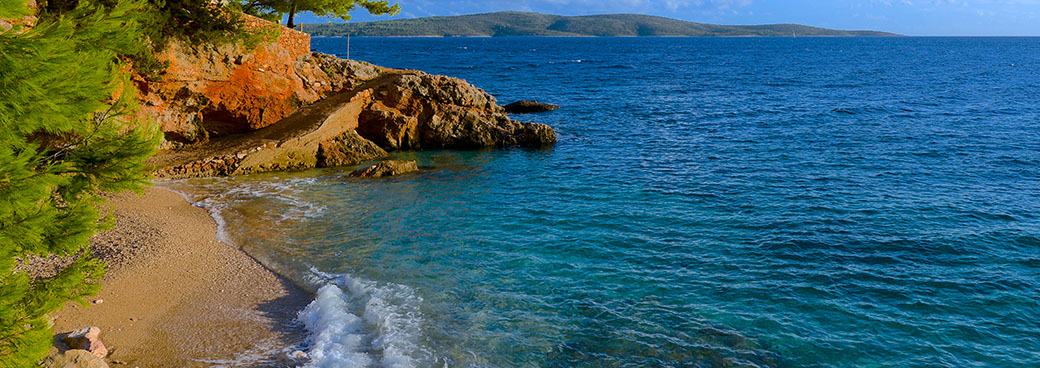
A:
(361, 323)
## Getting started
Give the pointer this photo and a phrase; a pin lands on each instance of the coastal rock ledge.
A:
(230, 111)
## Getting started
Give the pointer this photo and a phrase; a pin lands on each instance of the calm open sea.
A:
(712, 202)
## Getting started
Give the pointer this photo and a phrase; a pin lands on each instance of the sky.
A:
(908, 17)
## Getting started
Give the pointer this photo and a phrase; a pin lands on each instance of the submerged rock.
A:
(387, 168)
(525, 107)
(87, 338)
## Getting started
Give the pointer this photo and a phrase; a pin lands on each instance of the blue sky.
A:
(910, 17)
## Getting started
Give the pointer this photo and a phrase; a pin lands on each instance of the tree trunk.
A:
(292, 14)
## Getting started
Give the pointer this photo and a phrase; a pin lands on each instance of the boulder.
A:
(389, 127)
(526, 107)
(74, 358)
(347, 149)
(87, 338)
(387, 168)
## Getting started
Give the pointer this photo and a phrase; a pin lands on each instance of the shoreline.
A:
(177, 296)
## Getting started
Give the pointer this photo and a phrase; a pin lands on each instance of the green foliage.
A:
(194, 22)
(67, 137)
(534, 24)
(13, 9)
(325, 8)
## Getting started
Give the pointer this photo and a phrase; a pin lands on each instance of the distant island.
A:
(535, 24)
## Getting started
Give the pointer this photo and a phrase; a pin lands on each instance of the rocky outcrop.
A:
(292, 144)
(87, 338)
(387, 168)
(418, 110)
(277, 108)
(527, 107)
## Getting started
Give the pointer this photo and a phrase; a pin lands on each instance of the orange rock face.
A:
(220, 90)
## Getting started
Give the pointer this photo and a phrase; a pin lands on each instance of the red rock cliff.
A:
(219, 90)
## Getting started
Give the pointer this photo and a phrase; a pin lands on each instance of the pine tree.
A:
(65, 137)
(325, 8)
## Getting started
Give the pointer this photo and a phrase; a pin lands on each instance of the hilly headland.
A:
(501, 24)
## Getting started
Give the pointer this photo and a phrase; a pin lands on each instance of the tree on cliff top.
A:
(67, 137)
(326, 8)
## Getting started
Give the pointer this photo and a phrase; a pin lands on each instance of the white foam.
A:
(360, 323)
(218, 195)
(337, 336)
(351, 322)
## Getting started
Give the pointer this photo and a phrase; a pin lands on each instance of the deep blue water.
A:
(763, 202)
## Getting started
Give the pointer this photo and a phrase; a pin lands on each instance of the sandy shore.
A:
(175, 296)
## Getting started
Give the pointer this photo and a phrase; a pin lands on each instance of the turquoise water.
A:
(712, 202)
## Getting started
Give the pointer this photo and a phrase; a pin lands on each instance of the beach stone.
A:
(387, 168)
(74, 358)
(525, 107)
(298, 355)
(87, 338)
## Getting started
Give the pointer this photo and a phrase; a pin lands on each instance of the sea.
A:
(712, 202)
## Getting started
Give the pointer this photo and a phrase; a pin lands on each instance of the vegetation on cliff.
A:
(534, 24)
(327, 8)
(159, 22)
(64, 104)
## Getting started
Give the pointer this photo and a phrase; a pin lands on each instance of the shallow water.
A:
(763, 202)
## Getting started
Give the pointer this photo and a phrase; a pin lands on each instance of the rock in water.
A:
(87, 338)
(347, 149)
(75, 358)
(525, 107)
(387, 168)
